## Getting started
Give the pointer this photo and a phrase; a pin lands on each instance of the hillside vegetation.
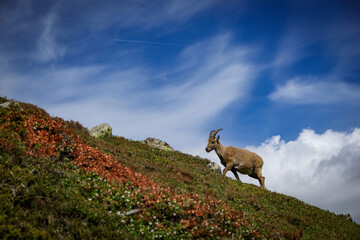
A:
(56, 181)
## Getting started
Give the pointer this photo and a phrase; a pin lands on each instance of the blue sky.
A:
(281, 77)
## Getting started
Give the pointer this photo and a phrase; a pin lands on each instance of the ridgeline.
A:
(57, 181)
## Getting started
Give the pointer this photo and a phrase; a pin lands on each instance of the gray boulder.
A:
(102, 130)
(157, 143)
(214, 166)
(9, 104)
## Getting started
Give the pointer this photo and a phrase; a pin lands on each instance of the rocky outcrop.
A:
(102, 130)
(157, 143)
(9, 104)
(214, 166)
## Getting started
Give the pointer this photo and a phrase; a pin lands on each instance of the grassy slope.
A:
(48, 196)
(273, 213)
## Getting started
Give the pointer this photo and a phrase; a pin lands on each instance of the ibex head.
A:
(213, 141)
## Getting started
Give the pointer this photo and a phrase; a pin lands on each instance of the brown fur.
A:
(237, 159)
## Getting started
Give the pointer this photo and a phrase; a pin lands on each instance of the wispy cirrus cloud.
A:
(336, 83)
(291, 48)
(48, 48)
(50, 33)
(179, 107)
(141, 14)
(33, 35)
(331, 70)
(307, 91)
(206, 78)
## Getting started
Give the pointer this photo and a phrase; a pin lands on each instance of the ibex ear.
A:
(218, 137)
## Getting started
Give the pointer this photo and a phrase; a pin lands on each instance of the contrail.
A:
(147, 42)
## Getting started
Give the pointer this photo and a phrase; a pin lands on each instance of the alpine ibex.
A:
(237, 159)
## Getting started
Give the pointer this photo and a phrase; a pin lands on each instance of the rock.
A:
(214, 166)
(9, 104)
(102, 130)
(348, 217)
(157, 143)
(133, 211)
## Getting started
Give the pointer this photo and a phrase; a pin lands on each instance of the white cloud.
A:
(321, 169)
(303, 91)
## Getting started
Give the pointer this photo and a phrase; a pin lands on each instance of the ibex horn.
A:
(215, 132)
